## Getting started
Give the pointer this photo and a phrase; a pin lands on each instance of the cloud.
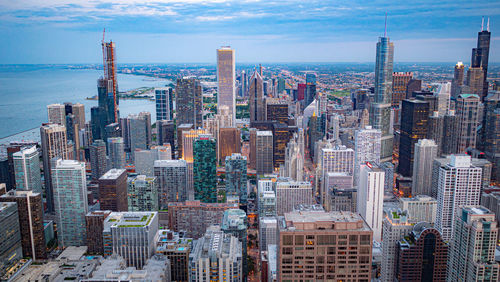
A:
(213, 18)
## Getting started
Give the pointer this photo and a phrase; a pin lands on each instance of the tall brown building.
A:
(95, 227)
(252, 164)
(458, 80)
(276, 110)
(467, 108)
(30, 210)
(229, 142)
(475, 80)
(422, 255)
(282, 134)
(413, 85)
(113, 190)
(324, 246)
(399, 86)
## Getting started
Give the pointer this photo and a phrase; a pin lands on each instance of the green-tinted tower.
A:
(205, 168)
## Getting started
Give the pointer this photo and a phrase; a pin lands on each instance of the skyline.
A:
(170, 31)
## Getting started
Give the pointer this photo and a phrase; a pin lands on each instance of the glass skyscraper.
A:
(226, 75)
(205, 168)
(236, 176)
(27, 170)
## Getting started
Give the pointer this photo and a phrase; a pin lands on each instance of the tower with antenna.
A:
(480, 54)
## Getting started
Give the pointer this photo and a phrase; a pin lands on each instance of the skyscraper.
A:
(78, 110)
(139, 131)
(54, 145)
(467, 107)
(110, 81)
(113, 190)
(475, 80)
(236, 177)
(70, 202)
(95, 228)
(166, 133)
(256, 97)
(294, 157)
(142, 193)
(228, 142)
(189, 102)
(425, 153)
(458, 80)
(366, 148)
(27, 170)
(164, 103)
(371, 197)
(226, 78)
(116, 152)
(480, 55)
(56, 114)
(98, 162)
(205, 169)
(172, 178)
(380, 110)
(10, 236)
(419, 208)
(291, 194)
(472, 248)
(235, 223)
(414, 117)
(399, 86)
(458, 184)
(264, 152)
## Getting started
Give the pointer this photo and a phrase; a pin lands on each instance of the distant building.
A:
(256, 97)
(164, 103)
(98, 162)
(139, 131)
(166, 133)
(228, 142)
(467, 108)
(458, 80)
(189, 102)
(142, 193)
(113, 190)
(399, 86)
(27, 170)
(56, 114)
(268, 232)
(116, 152)
(226, 81)
(366, 148)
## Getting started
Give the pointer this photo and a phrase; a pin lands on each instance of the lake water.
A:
(25, 92)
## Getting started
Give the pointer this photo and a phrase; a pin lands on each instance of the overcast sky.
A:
(168, 31)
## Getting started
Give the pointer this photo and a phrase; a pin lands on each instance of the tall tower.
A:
(366, 148)
(27, 170)
(481, 53)
(109, 65)
(371, 197)
(226, 76)
(467, 108)
(458, 80)
(256, 97)
(380, 111)
(425, 153)
(189, 102)
(205, 168)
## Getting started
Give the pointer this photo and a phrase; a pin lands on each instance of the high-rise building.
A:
(10, 236)
(164, 103)
(435, 127)
(489, 140)
(450, 130)
(166, 133)
(337, 159)
(30, 211)
(380, 110)
(70, 202)
(205, 169)
(472, 249)
(480, 56)
(113, 190)
(399, 86)
(236, 177)
(371, 197)
(98, 161)
(133, 235)
(194, 217)
(252, 164)
(422, 255)
(414, 117)
(189, 102)
(458, 183)
(256, 97)
(56, 114)
(474, 81)
(172, 181)
(264, 152)
(54, 145)
(27, 170)
(142, 193)
(216, 257)
(268, 231)
(235, 223)
(467, 108)
(291, 194)
(226, 79)
(414, 85)
(276, 110)
(336, 237)
(110, 80)
(366, 148)
(116, 152)
(78, 110)
(176, 247)
(95, 227)
(294, 157)
(419, 208)
(228, 142)
(458, 80)
(425, 153)
(139, 131)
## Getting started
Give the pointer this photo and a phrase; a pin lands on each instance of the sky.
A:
(177, 31)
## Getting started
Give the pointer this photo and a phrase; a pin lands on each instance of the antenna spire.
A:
(385, 25)
(488, 25)
(482, 24)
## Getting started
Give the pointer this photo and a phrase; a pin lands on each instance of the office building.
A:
(98, 161)
(70, 202)
(226, 79)
(425, 153)
(216, 257)
(399, 86)
(480, 55)
(113, 190)
(276, 110)
(133, 236)
(414, 117)
(472, 249)
(235, 222)
(474, 81)
(166, 133)
(371, 197)
(366, 148)
(293, 166)
(458, 80)
(264, 152)
(27, 170)
(139, 131)
(422, 255)
(256, 97)
(116, 152)
(10, 236)
(268, 232)
(176, 247)
(142, 193)
(282, 134)
(56, 114)
(458, 183)
(337, 159)
(164, 103)
(111, 97)
(489, 140)
(144, 161)
(290, 194)
(332, 235)
(95, 226)
(30, 212)
(380, 110)
(194, 217)
(267, 203)
(205, 169)
(435, 130)
(450, 131)
(172, 181)
(467, 108)
(228, 142)
(54, 145)
(189, 102)
(419, 208)
(236, 177)
(114, 268)
(341, 199)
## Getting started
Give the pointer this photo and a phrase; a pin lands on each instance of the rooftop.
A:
(113, 173)
(319, 220)
(128, 219)
(264, 133)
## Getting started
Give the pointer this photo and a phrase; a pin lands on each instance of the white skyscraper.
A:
(458, 184)
(290, 194)
(226, 77)
(420, 208)
(56, 114)
(366, 148)
(27, 170)
(172, 177)
(70, 202)
(268, 231)
(425, 153)
(371, 197)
